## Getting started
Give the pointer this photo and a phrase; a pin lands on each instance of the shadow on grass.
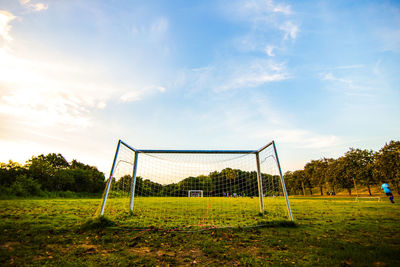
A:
(97, 223)
(276, 224)
(102, 222)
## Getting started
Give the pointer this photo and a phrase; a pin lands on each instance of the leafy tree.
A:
(387, 164)
(315, 171)
(43, 171)
(57, 161)
(10, 171)
(331, 175)
(343, 174)
(293, 185)
(302, 179)
(359, 166)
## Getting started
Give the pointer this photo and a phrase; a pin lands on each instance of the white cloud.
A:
(231, 75)
(34, 6)
(136, 95)
(355, 66)
(285, 9)
(350, 87)
(151, 31)
(253, 74)
(306, 139)
(258, 9)
(266, 20)
(5, 18)
(330, 77)
(262, 120)
(269, 50)
(290, 30)
(160, 25)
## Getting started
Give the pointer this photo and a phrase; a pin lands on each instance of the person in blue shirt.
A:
(387, 191)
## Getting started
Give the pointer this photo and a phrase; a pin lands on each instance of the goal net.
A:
(191, 189)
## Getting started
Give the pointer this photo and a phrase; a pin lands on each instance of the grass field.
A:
(327, 231)
(182, 213)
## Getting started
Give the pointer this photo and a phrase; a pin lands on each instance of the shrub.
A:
(25, 186)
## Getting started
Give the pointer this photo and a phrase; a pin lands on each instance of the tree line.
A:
(45, 174)
(216, 183)
(355, 168)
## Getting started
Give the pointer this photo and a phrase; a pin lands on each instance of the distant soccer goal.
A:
(195, 193)
(196, 188)
(367, 199)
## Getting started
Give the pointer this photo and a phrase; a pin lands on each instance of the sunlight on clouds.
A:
(45, 94)
(33, 6)
(17, 151)
(136, 95)
(301, 138)
(5, 18)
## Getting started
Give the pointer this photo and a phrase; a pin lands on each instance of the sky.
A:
(318, 77)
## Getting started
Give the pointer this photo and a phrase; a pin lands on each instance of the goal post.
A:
(155, 181)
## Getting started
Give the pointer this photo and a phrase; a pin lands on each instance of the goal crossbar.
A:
(174, 151)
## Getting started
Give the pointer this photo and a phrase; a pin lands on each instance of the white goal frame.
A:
(149, 151)
(195, 191)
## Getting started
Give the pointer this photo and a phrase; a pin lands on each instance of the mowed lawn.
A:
(327, 231)
(183, 213)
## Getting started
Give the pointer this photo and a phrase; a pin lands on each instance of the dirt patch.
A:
(140, 251)
(88, 249)
(10, 245)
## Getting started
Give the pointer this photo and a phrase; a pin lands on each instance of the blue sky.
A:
(317, 77)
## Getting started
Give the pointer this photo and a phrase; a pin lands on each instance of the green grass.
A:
(328, 231)
(184, 213)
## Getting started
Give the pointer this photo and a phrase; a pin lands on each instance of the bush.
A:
(25, 186)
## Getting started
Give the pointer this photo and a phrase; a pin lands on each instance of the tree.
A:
(10, 171)
(358, 167)
(57, 161)
(344, 174)
(300, 177)
(387, 164)
(315, 170)
(44, 172)
(293, 185)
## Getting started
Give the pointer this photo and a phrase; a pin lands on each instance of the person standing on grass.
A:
(387, 191)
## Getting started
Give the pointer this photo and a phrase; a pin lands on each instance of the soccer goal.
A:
(367, 199)
(196, 188)
(195, 193)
